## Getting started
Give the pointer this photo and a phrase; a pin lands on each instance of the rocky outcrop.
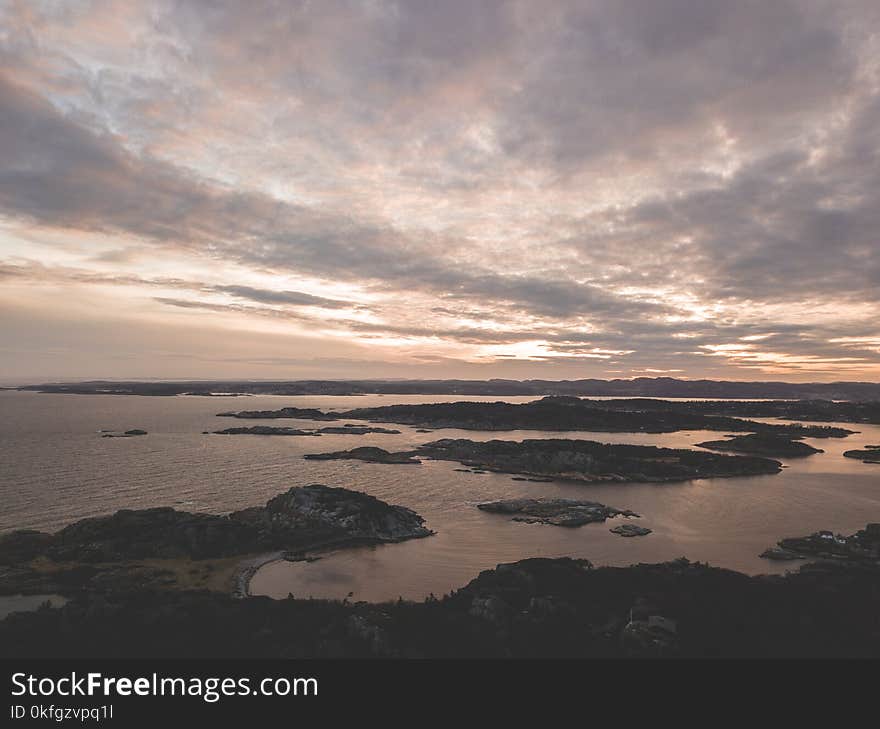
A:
(370, 454)
(763, 444)
(264, 430)
(584, 460)
(630, 530)
(558, 512)
(274, 430)
(861, 547)
(350, 429)
(127, 434)
(338, 512)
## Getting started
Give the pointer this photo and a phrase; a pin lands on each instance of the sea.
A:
(56, 468)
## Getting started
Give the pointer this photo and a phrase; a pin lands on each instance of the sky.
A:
(461, 189)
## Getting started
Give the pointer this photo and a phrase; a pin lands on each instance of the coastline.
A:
(247, 568)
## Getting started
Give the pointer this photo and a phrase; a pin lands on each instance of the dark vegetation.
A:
(565, 413)
(533, 608)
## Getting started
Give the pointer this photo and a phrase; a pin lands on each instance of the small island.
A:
(630, 530)
(264, 430)
(590, 461)
(134, 432)
(369, 454)
(870, 454)
(351, 429)
(556, 512)
(332, 430)
(763, 444)
(289, 412)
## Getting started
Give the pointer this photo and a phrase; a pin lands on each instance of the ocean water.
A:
(56, 468)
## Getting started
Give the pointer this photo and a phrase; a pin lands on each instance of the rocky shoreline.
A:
(862, 547)
(161, 546)
(556, 512)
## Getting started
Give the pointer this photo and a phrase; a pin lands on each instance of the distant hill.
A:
(638, 387)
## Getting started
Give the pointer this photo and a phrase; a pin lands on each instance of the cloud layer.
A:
(570, 189)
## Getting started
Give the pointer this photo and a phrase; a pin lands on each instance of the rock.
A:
(863, 547)
(127, 434)
(630, 530)
(349, 429)
(370, 454)
(264, 430)
(778, 553)
(557, 512)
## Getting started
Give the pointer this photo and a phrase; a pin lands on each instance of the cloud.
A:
(640, 182)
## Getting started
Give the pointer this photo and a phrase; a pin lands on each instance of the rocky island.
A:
(134, 432)
(559, 413)
(763, 444)
(264, 430)
(289, 412)
(275, 430)
(585, 460)
(165, 547)
(630, 530)
(556, 512)
(870, 454)
(369, 454)
(861, 547)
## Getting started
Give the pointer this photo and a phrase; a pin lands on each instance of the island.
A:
(590, 461)
(351, 429)
(275, 430)
(561, 413)
(556, 512)
(165, 548)
(264, 430)
(763, 444)
(370, 454)
(288, 412)
(870, 454)
(630, 530)
(861, 547)
(134, 432)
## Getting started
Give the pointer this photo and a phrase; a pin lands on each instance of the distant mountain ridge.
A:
(637, 387)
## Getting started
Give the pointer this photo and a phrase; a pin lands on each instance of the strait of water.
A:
(56, 468)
